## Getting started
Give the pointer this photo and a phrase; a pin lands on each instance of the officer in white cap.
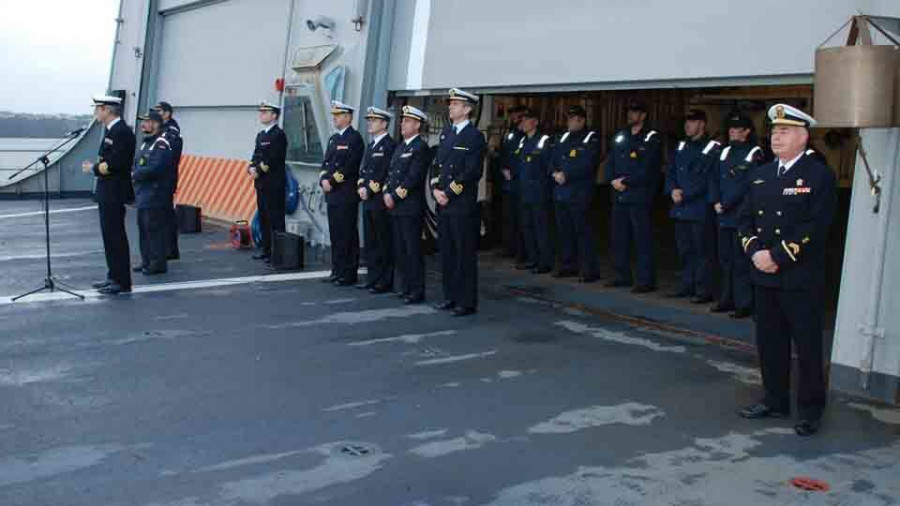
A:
(783, 227)
(404, 197)
(114, 190)
(267, 168)
(459, 162)
(340, 172)
(376, 221)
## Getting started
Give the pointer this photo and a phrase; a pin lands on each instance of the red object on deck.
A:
(240, 235)
(810, 484)
(279, 84)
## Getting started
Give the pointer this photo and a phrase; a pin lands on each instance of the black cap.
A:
(637, 105)
(528, 112)
(152, 115)
(577, 110)
(738, 120)
(164, 106)
(696, 115)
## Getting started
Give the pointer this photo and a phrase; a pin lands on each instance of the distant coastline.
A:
(39, 126)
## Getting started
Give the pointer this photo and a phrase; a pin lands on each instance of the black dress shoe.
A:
(174, 256)
(365, 286)
(464, 311)
(376, 290)
(138, 268)
(261, 256)
(589, 278)
(330, 279)
(101, 284)
(345, 282)
(760, 410)
(616, 283)
(564, 274)
(680, 294)
(741, 313)
(114, 289)
(445, 305)
(414, 300)
(146, 271)
(525, 267)
(807, 427)
(701, 299)
(643, 289)
(541, 270)
(718, 307)
(400, 295)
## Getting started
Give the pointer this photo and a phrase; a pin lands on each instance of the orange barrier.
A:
(220, 186)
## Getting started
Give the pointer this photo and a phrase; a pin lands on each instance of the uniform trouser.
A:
(631, 224)
(737, 286)
(694, 243)
(379, 248)
(512, 233)
(458, 239)
(344, 233)
(152, 228)
(536, 235)
(115, 243)
(408, 253)
(171, 230)
(782, 317)
(576, 238)
(271, 206)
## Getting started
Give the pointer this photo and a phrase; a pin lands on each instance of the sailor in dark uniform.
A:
(729, 184)
(632, 169)
(172, 133)
(532, 168)
(114, 189)
(404, 197)
(267, 168)
(340, 172)
(687, 184)
(574, 172)
(154, 170)
(783, 227)
(376, 221)
(459, 159)
(509, 222)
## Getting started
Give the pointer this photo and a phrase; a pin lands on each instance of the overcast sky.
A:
(55, 54)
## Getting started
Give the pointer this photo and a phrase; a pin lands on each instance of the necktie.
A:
(781, 171)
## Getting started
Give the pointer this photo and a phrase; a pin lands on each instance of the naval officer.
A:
(376, 221)
(459, 158)
(267, 168)
(783, 227)
(114, 189)
(340, 172)
(404, 197)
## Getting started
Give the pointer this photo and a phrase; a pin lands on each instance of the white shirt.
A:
(787, 166)
(459, 126)
(111, 123)
(378, 138)
(408, 141)
(266, 129)
(341, 132)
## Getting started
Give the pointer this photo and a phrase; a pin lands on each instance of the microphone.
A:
(75, 132)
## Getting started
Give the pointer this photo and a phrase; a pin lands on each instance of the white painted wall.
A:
(526, 42)
(863, 239)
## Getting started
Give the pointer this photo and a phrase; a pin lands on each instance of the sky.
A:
(55, 54)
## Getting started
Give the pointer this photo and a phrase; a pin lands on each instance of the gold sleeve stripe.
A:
(787, 250)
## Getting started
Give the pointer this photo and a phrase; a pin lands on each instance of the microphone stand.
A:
(50, 282)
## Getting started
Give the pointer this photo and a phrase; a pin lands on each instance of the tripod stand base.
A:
(51, 285)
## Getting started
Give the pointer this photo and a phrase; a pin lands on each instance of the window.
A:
(300, 126)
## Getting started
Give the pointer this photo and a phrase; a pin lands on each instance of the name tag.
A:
(797, 191)
(377, 154)
(343, 147)
(108, 141)
(264, 143)
(461, 148)
(406, 155)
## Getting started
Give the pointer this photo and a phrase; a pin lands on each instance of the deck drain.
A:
(355, 450)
